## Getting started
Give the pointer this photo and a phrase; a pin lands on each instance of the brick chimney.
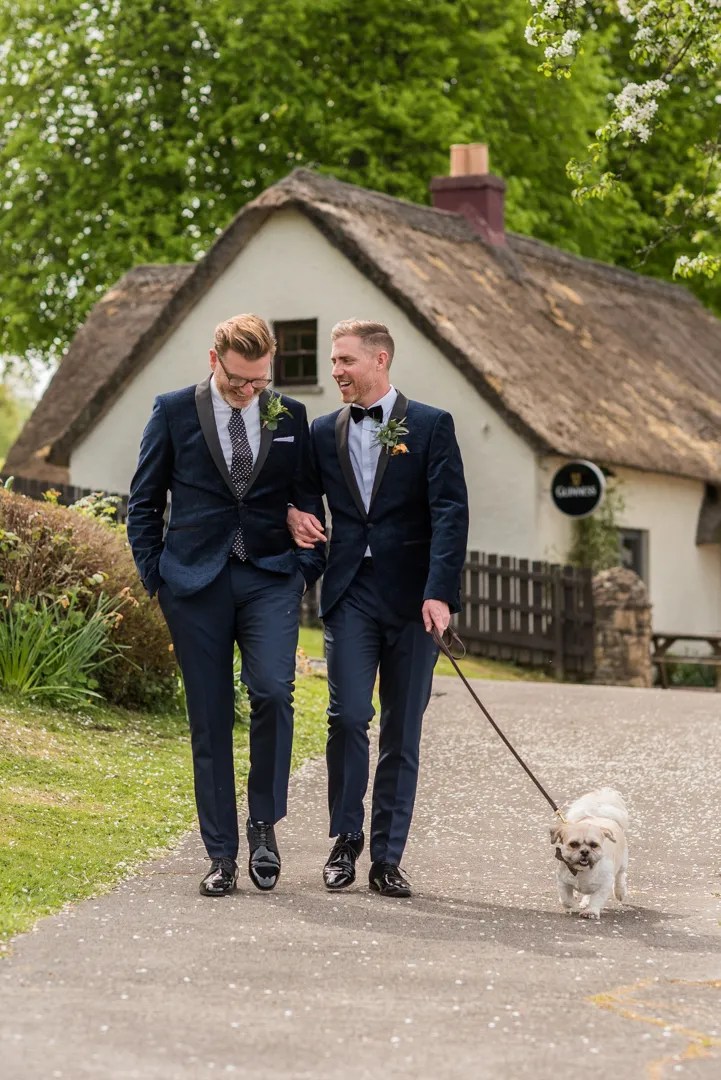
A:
(472, 191)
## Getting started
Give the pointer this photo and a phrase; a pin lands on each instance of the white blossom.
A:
(682, 38)
(646, 10)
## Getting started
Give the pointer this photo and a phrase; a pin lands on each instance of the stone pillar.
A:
(622, 629)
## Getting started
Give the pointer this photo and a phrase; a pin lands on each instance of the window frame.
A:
(638, 540)
(298, 327)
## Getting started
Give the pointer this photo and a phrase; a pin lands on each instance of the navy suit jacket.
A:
(180, 453)
(417, 522)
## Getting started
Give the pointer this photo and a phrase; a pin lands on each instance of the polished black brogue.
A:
(221, 879)
(339, 870)
(388, 880)
(264, 861)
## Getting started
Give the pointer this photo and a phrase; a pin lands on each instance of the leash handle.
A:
(456, 642)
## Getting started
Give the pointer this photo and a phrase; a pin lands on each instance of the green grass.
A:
(86, 796)
(473, 667)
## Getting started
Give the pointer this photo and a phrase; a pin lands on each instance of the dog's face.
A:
(581, 843)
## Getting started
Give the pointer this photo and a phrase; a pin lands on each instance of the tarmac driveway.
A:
(478, 975)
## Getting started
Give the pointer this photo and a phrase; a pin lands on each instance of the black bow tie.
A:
(375, 412)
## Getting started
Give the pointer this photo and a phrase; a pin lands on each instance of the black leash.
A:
(445, 649)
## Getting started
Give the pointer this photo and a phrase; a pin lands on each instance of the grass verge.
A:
(86, 796)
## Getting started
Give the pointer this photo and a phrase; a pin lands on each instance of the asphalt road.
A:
(479, 975)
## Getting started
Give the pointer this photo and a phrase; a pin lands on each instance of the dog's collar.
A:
(568, 866)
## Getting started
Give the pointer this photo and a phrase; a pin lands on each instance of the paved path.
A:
(478, 976)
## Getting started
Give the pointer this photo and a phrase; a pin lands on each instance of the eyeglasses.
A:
(237, 383)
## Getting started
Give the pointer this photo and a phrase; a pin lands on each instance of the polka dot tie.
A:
(241, 466)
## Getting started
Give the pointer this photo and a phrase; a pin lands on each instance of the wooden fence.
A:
(534, 613)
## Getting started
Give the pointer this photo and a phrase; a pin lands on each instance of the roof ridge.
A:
(530, 246)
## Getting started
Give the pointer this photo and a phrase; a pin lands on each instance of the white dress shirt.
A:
(251, 418)
(364, 448)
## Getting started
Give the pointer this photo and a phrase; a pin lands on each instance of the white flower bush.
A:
(672, 40)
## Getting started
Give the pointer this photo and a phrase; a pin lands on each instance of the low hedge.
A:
(50, 550)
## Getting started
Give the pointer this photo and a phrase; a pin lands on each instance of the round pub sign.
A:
(577, 488)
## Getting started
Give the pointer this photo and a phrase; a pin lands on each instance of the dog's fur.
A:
(592, 843)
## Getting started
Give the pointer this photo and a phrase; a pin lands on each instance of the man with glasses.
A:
(232, 455)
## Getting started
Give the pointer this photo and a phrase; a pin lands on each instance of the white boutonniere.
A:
(273, 413)
(389, 434)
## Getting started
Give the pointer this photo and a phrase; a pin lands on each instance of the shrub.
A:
(596, 540)
(54, 650)
(49, 551)
(691, 674)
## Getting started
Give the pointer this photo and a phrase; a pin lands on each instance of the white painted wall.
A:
(684, 580)
(289, 271)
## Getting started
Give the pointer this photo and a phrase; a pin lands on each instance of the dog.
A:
(592, 852)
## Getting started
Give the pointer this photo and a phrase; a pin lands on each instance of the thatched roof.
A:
(131, 317)
(581, 358)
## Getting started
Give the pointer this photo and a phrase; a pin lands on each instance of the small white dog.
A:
(591, 851)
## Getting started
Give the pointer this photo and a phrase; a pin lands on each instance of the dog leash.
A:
(446, 650)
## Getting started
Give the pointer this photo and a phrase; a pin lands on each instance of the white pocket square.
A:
(285, 438)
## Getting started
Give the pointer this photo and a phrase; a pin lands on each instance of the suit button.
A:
(370, 524)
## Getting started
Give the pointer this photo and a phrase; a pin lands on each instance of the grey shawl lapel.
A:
(206, 415)
(341, 443)
(398, 412)
(266, 438)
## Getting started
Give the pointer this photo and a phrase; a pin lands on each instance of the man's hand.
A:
(305, 529)
(436, 613)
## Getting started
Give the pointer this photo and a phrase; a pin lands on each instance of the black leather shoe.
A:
(387, 879)
(339, 871)
(264, 862)
(221, 879)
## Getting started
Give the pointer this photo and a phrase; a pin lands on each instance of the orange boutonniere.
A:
(388, 436)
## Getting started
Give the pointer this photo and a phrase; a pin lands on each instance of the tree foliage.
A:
(667, 58)
(13, 412)
(132, 132)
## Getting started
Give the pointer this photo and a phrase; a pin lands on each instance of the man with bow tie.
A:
(392, 474)
(232, 456)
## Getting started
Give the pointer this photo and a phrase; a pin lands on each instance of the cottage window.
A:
(296, 358)
(634, 551)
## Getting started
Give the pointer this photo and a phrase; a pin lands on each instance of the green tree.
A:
(101, 126)
(134, 132)
(13, 412)
(667, 55)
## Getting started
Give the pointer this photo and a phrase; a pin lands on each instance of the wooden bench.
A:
(661, 655)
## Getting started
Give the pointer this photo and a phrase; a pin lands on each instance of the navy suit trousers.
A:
(259, 610)
(365, 638)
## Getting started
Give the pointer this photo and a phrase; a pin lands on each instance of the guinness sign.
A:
(578, 488)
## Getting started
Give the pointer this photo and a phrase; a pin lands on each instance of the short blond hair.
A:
(375, 335)
(248, 335)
